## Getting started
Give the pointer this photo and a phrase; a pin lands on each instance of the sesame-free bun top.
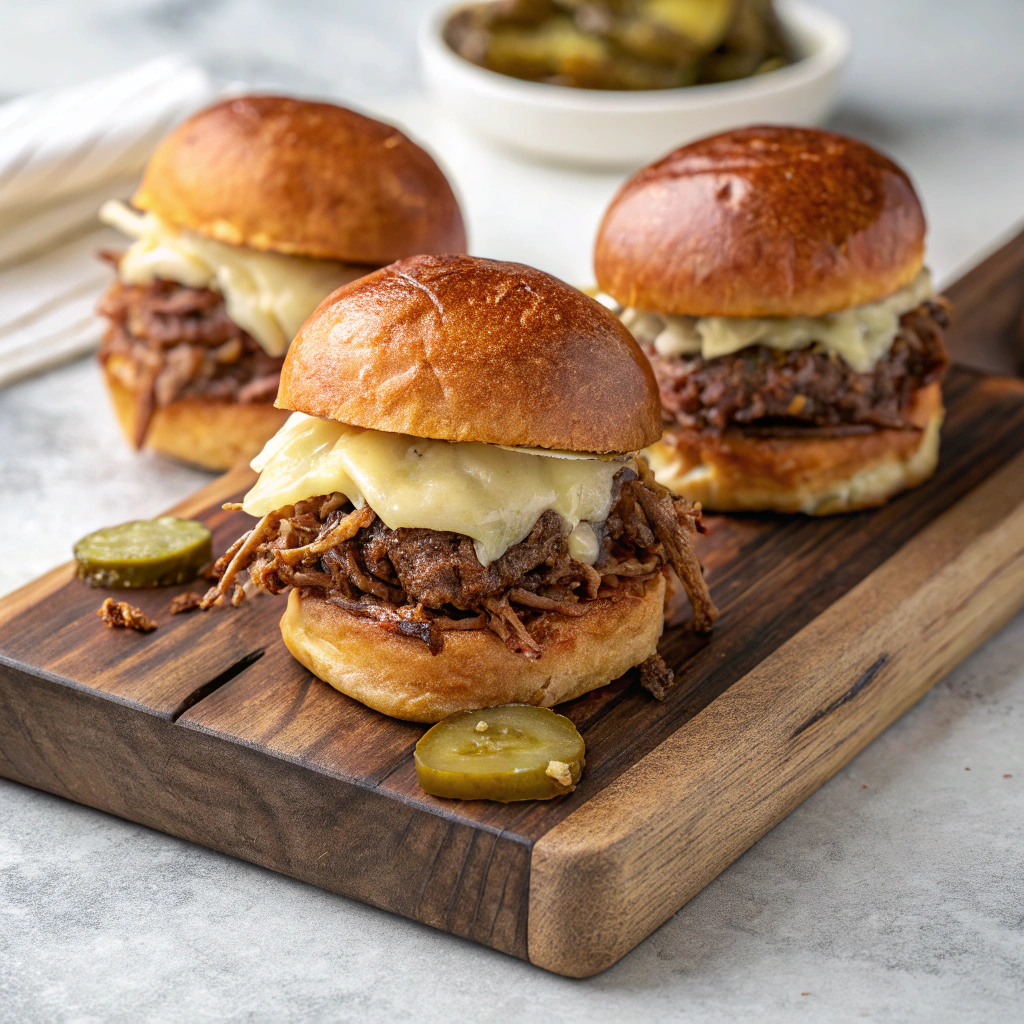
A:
(762, 221)
(304, 179)
(465, 349)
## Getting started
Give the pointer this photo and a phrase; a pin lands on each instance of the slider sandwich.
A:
(775, 279)
(248, 215)
(455, 503)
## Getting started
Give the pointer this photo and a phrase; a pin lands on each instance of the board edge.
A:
(623, 863)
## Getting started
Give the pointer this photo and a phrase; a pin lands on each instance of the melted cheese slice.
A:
(860, 336)
(265, 293)
(494, 495)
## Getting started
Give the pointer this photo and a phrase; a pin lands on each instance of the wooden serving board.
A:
(830, 629)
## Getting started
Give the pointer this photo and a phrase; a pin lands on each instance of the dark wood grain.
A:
(988, 327)
(209, 730)
(278, 812)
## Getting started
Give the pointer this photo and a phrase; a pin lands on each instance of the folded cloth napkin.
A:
(62, 153)
(58, 146)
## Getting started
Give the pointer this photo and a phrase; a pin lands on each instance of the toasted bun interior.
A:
(465, 349)
(762, 221)
(399, 676)
(213, 435)
(817, 476)
(304, 179)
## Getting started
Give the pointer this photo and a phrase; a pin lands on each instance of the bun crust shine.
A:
(466, 349)
(762, 221)
(304, 179)
(399, 676)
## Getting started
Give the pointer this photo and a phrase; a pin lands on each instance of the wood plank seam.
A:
(200, 693)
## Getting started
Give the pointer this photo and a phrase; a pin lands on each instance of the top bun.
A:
(466, 349)
(762, 221)
(301, 178)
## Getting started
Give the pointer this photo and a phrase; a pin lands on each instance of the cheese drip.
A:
(265, 293)
(492, 494)
(860, 336)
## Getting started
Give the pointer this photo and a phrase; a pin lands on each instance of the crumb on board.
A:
(122, 614)
(232, 506)
(187, 602)
(481, 726)
(560, 772)
(656, 677)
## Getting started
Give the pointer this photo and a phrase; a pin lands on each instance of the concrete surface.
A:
(896, 893)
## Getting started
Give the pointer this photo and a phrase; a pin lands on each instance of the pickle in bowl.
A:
(144, 553)
(508, 753)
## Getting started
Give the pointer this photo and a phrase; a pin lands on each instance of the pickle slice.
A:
(144, 553)
(513, 752)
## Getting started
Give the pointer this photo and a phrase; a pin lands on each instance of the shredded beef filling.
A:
(765, 391)
(423, 583)
(166, 342)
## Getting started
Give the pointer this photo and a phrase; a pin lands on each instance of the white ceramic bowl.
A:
(626, 129)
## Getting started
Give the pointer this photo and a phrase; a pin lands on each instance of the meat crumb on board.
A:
(187, 602)
(120, 614)
(656, 677)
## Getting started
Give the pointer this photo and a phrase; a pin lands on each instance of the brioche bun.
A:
(735, 472)
(304, 179)
(762, 221)
(213, 435)
(398, 676)
(465, 349)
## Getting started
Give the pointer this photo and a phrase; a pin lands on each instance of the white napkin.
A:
(58, 147)
(62, 153)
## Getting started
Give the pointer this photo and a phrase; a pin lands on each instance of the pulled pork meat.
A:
(769, 392)
(166, 342)
(423, 583)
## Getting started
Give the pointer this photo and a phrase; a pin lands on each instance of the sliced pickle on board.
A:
(508, 753)
(144, 553)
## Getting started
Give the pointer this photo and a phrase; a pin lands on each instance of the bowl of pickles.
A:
(618, 83)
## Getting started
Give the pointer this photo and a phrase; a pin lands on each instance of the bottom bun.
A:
(214, 435)
(734, 472)
(398, 675)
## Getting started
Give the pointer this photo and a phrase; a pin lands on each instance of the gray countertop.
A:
(895, 893)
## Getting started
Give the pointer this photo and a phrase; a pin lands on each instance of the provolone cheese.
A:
(265, 293)
(494, 495)
(860, 336)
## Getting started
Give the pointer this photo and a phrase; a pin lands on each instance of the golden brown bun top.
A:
(762, 221)
(466, 349)
(302, 178)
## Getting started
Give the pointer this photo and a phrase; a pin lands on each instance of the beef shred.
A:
(656, 677)
(423, 583)
(122, 615)
(770, 392)
(166, 342)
